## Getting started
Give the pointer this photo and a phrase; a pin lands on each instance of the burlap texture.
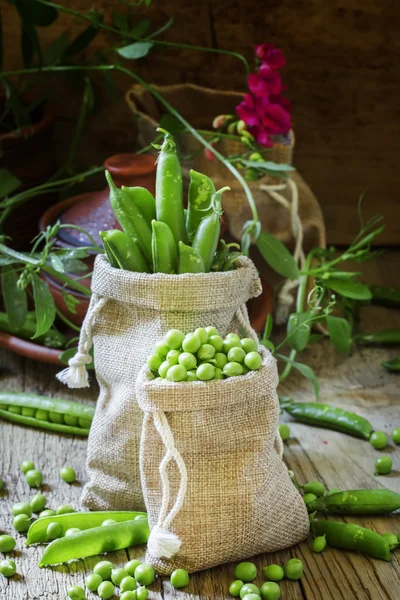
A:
(140, 309)
(240, 500)
(199, 106)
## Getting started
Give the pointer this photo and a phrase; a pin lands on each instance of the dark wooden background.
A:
(343, 78)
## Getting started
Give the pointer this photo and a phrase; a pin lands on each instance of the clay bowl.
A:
(29, 349)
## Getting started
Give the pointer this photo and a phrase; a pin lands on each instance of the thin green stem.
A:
(68, 280)
(67, 321)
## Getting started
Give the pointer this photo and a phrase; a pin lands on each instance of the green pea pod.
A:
(144, 200)
(130, 218)
(37, 533)
(165, 255)
(107, 249)
(207, 234)
(51, 339)
(190, 260)
(298, 331)
(358, 502)
(169, 189)
(98, 540)
(201, 190)
(348, 536)
(385, 337)
(392, 365)
(385, 296)
(125, 251)
(323, 415)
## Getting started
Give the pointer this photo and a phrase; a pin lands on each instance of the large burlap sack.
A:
(128, 313)
(215, 486)
(199, 106)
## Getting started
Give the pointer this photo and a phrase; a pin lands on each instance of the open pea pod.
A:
(81, 520)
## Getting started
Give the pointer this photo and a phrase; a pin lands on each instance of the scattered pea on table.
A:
(92, 582)
(7, 567)
(47, 513)
(273, 573)
(246, 571)
(142, 593)
(249, 588)
(7, 543)
(383, 465)
(22, 508)
(396, 435)
(34, 478)
(38, 502)
(68, 474)
(179, 578)
(76, 592)
(319, 543)
(284, 431)
(27, 465)
(105, 590)
(103, 568)
(117, 575)
(131, 566)
(378, 440)
(128, 584)
(294, 569)
(270, 591)
(21, 523)
(235, 587)
(144, 574)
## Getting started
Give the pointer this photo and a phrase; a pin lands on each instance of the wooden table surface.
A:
(357, 382)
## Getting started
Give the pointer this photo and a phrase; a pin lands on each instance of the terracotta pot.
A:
(259, 308)
(28, 153)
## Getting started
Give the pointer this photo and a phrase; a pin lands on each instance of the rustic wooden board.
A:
(356, 382)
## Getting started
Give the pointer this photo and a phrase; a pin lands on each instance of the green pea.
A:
(117, 575)
(7, 543)
(383, 465)
(332, 491)
(249, 345)
(22, 508)
(235, 587)
(245, 370)
(56, 417)
(27, 411)
(75, 592)
(233, 336)
(270, 591)
(47, 513)
(319, 543)
(71, 420)
(206, 352)
(130, 566)
(42, 415)
(176, 373)
(65, 509)
(218, 373)
(174, 338)
(246, 571)
(273, 573)
(163, 370)
(202, 334)
(220, 360)
(105, 590)
(230, 342)
(144, 574)
(217, 342)
(391, 540)
(15, 410)
(314, 487)
(251, 597)
(72, 531)
(103, 568)
(309, 498)
(249, 588)
(179, 578)
(294, 569)
(92, 582)
(7, 567)
(142, 593)
(34, 478)
(396, 436)
(68, 474)
(284, 431)
(21, 523)
(38, 502)
(211, 331)
(191, 343)
(205, 372)
(154, 362)
(107, 522)
(128, 595)
(27, 465)
(187, 360)
(161, 349)
(84, 422)
(54, 531)
(191, 376)
(233, 369)
(236, 355)
(173, 357)
(378, 440)
(253, 361)
(128, 584)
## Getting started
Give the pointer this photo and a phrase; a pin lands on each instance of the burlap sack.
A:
(199, 106)
(128, 313)
(212, 474)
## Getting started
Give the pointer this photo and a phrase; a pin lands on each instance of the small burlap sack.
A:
(129, 312)
(199, 106)
(215, 486)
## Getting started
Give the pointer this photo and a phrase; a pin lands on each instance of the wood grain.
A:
(343, 78)
(356, 383)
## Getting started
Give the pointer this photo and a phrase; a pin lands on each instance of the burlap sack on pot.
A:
(199, 106)
(128, 313)
(215, 486)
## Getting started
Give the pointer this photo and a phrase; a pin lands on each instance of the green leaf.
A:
(45, 309)
(305, 370)
(135, 50)
(79, 44)
(268, 165)
(298, 330)
(339, 332)
(15, 105)
(277, 256)
(8, 183)
(140, 27)
(14, 299)
(54, 52)
(120, 20)
(268, 327)
(351, 289)
(57, 263)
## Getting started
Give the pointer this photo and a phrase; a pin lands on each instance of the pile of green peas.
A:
(203, 355)
(379, 440)
(246, 572)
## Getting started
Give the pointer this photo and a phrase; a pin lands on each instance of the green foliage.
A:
(277, 255)
(135, 50)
